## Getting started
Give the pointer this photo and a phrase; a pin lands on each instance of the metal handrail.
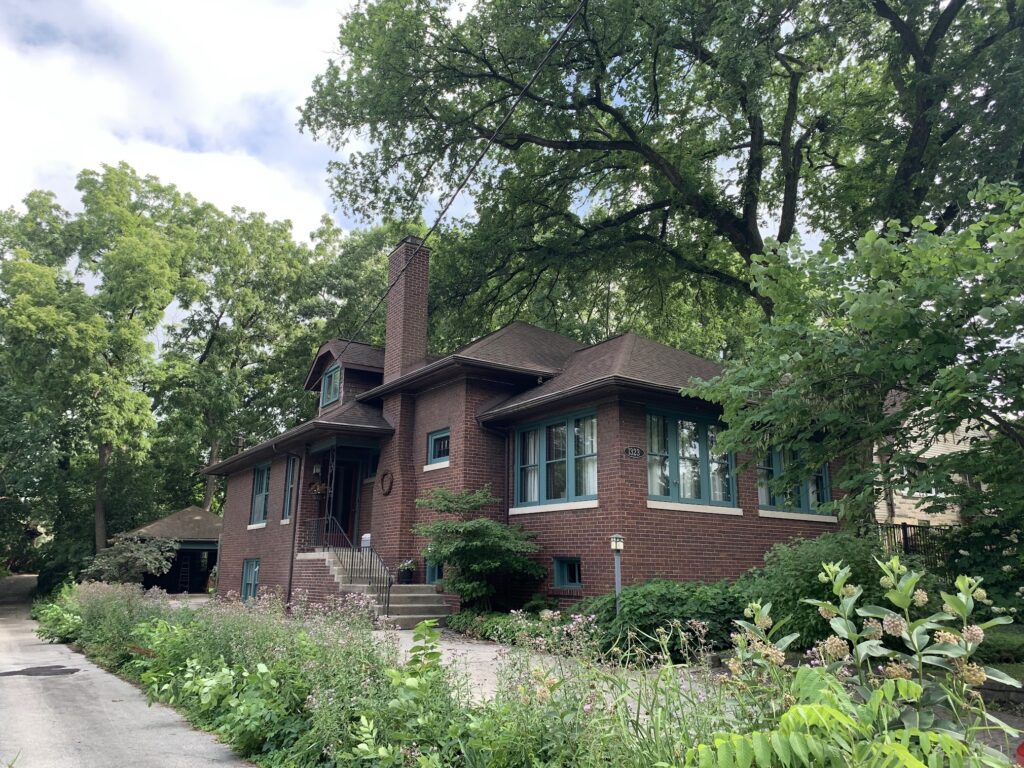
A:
(327, 531)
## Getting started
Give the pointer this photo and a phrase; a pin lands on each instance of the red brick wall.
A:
(314, 578)
(355, 382)
(406, 322)
(272, 544)
(658, 543)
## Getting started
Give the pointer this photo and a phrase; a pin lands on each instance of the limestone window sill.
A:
(254, 526)
(704, 509)
(564, 506)
(807, 516)
(436, 465)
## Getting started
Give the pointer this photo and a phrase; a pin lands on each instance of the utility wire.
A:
(470, 172)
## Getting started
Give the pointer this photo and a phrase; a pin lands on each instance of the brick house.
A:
(579, 443)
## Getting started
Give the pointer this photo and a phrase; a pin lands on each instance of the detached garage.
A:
(197, 532)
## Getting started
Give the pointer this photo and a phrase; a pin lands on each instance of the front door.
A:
(344, 511)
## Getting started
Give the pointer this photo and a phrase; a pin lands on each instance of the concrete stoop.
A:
(410, 603)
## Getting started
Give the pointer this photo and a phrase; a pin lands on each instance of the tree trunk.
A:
(101, 508)
(211, 480)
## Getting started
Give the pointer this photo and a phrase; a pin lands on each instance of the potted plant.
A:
(406, 569)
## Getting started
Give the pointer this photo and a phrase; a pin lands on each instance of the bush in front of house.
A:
(790, 575)
(479, 554)
(659, 605)
(1003, 645)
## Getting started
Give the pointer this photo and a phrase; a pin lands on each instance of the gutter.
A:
(440, 365)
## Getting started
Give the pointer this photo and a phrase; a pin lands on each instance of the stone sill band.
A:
(808, 516)
(559, 507)
(705, 509)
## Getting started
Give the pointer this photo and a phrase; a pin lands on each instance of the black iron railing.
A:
(357, 562)
(926, 541)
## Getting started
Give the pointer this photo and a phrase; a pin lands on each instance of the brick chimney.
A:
(405, 335)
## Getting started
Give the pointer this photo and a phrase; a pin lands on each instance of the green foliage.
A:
(873, 357)
(655, 606)
(661, 137)
(479, 553)
(989, 545)
(129, 558)
(790, 574)
(1003, 645)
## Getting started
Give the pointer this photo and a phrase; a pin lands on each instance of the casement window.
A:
(805, 497)
(250, 579)
(260, 494)
(330, 386)
(568, 574)
(439, 446)
(291, 477)
(557, 460)
(683, 463)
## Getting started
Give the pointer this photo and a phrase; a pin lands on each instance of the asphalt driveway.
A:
(58, 710)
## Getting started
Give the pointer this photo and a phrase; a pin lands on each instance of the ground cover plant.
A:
(315, 685)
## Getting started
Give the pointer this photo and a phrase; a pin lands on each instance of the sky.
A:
(200, 93)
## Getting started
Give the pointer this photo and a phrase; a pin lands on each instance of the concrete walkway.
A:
(58, 710)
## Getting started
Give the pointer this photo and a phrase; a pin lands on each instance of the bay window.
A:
(557, 460)
(683, 463)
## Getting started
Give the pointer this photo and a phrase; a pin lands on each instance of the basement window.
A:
(250, 579)
(568, 574)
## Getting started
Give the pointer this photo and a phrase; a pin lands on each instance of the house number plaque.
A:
(632, 452)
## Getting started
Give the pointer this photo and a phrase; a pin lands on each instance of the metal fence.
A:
(928, 542)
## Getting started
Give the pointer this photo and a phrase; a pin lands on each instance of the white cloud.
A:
(201, 94)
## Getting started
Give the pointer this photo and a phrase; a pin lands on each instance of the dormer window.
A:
(330, 386)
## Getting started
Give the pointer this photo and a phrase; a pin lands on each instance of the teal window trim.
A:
(543, 464)
(568, 573)
(670, 454)
(371, 466)
(774, 463)
(260, 494)
(439, 446)
(330, 386)
(290, 479)
(250, 579)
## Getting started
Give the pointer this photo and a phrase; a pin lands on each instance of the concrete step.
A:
(416, 609)
(413, 598)
(410, 621)
(413, 589)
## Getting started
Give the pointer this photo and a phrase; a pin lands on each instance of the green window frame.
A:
(807, 497)
(290, 479)
(568, 573)
(250, 579)
(371, 466)
(682, 464)
(435, 572)
(260, 494)
(330, 386)
(439, 446)
(556, 460)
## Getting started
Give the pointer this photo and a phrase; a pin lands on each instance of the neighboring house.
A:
(579, 443)
(197, 532)
(902, 505)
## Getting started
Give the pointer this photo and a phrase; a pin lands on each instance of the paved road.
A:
(58, 710)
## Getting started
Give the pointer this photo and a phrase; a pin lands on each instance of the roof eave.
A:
(604, 382)
(272, 447)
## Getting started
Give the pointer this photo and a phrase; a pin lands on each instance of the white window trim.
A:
(808, 516)
(254, 526)
(706, 509)
(437, 465)
(562, 506)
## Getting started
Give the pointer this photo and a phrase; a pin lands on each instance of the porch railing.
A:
(356, 562)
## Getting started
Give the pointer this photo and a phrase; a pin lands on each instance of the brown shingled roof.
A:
(521, 345)
(357, 354)
(188, 524)
(626, 359)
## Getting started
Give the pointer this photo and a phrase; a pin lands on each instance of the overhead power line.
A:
(470, 172)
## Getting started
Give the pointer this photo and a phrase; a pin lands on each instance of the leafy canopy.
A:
(911, 340)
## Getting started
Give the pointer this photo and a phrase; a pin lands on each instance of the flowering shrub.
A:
(550, 631)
